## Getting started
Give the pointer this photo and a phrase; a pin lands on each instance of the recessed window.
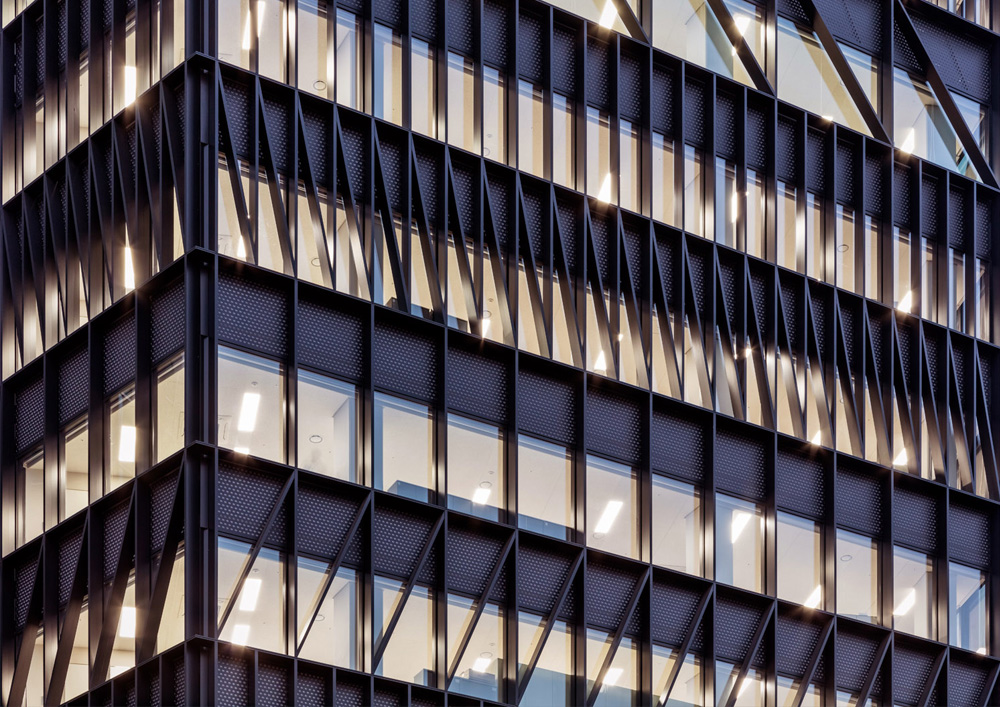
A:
(327, 425)
(694, 191)
(251, 405)
(857, 576)
(750, 691)
(531, 128)
(739, 543)
(404, 447)
(621, 680)
(494, 114)
(29, 491)
(967, 610)
(475, 467)
(462, 102)
(689, 686)
(629, 165)
(348, 63)
(790, 231)
(545, 488)
(315, 51)
(663, 179)
(74, 465)
(800, 560)
(678, 542)
(563, 141)
(612, 515)
(913, 592)
(600, 181)
(788, 690)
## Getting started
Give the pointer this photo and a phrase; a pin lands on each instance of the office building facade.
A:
(497, 352)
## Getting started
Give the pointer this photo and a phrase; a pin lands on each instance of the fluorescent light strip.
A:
(612, 676)
(740, 520)
(241, 632)
(480, 496)
(482, 665)
(607, 519)
(251, 592)
(248, 412)
(814, 599)
(126, 624)
(126, 447)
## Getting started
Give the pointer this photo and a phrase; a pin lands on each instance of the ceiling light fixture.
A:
(608, 15)
(479, 497)
(740, 520)
(241, 632)
(813, 599)
(604, 194)
(612, 676)
(251, 593)
(126, 448)
(126, 624)
(481, 665)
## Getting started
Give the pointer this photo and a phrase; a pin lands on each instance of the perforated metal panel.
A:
(599, 75)
(253, 314)
(404, 362)
(856, 652)
(725, 126)
(399, 538)
(969, 531)
(800, 483)
(911, 671)
(787, 150)
(233, 683)
(530, 48)
(312, 689)
(69, 556)
(695, 112)
(29, 415)
(662, 103)
(245, 499)
(671, 627)
(477, 385)
(915, 520)
(119, 354)
(740, 464)
(546, 407)
(330, 340)
(274, 683)
(857, 22)
(859, 500)
(115, 528)
(541, 573)
(424, 18)
(471, 558)
(630, 87)
(495, 39)
(736, 621)
(608, 591)
(968, 680)
(614, 426)
(795, 640)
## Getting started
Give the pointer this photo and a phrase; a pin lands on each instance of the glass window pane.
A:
(903, 288)
(494, 115)
(234, 47)
(348, 62)
(422, 89)
(599, 181)
(739, 543)
(791, 237)
(251, 405)
(800, 560)
(545, 488)
(750, 691)
(551, 682)
(327, 630)
(315, 51)
(388, 69)
(480, 668)
(663, 179)
(74, 477)
(404, 447)
(462, 102)
(967, 613)
(620, 684)
(531, 128)
(845, 248)
(271, 38)
(677, 541)
(612, 514)
(629, 165)
(30, 493)
(913, 587)
(694, 191)
(690, 29)
(78, 672)
(475, 467)
(257, 618)
(168, 408)
(409, 656)
(807, 77)
(857, 576)
(563, 137)
(327, 425)
(122, 438)
(689, 687)
(727, 202)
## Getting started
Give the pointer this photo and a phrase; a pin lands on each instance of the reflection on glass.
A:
(327, 427)
(845, 255)
(873, 263)
(815, 237)
(739, 543)
(612, 513)
(552, 679)
(257, 617)
(409, 655)
(967, 610)
(913, 592)
(956, 290)
(168, 408)
(122, 438)
(982, 293)
(755, 208)
(315, 50)
(404, 447)
(807, 77)
(694, 191)
(677, 541)
(78, 671)
(545, 488)
(857, 576)
(902, 298)
(475, 467)
(620, 683)
(251, 405)
(271, 38)
(800, 560)
(388, 70)
(727, 202)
